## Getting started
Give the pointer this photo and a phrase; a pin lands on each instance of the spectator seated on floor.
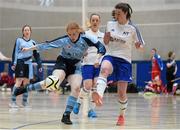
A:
(155, 86)
(3, 57)
(176, 89)
(6, 81)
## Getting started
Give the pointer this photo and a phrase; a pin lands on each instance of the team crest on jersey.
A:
(112, 30)
(68, 46)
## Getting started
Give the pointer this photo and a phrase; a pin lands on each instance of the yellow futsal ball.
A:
(52, 83)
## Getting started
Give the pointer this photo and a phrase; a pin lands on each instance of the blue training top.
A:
(18, 54)
(25, 56)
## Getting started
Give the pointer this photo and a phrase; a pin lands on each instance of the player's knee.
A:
(88, 87)
(122, 96)
(75, 91)
(105, 71)
(18, 83)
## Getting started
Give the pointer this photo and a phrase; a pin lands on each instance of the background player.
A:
(90, 66)
(157, 64)
(22, 64)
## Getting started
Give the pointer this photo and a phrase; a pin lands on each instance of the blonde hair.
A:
(72, 26)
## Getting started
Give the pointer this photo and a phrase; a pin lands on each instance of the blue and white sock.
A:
(25, 97)
(70, 104)
(13, 97)
(34, 87)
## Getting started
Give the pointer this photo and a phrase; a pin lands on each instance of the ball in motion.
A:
(52, 83)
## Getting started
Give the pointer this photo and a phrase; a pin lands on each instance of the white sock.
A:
(101, 85)
(92, 104)
(83, 94)
(123, 106)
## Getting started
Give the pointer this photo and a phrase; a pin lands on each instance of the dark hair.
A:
(154, 49)
(93, 15)
(126, 8)
(26, 26)
(113, 13)
(170, 54)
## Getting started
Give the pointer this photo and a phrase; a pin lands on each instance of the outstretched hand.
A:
(137, 45)
(96, 65)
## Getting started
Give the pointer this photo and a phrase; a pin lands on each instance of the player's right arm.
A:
(107, 34)
(15, 53)
(56, 43)
(107, 38)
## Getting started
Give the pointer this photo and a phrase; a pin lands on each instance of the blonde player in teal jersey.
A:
(68, 63)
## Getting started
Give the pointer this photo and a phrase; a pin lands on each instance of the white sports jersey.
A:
(92, 56)
(123, 36)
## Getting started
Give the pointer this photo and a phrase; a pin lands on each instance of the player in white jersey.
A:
(119, 38)
(90, 67)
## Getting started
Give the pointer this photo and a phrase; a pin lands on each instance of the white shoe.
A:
(13, 105)
(26, 105)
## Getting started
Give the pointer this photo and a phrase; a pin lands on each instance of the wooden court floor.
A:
(158, 112)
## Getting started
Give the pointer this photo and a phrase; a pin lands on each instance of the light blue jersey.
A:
(18, 54)
(73, 50)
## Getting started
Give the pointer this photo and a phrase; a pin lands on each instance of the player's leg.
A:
(25, 95)
(21, 72)
(92, 105)
(59, 71)
(40, 85)
(105, 71)
(75, 81)
(16, 88)
(87, 74)
(123, 79)
(84, 93)
(123, 102)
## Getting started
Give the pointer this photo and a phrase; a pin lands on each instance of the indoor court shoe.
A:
(13, 105)
(97, 99)
(76, 108)
(26, 105)
(92, 114)
(66, 119)
(121, 120)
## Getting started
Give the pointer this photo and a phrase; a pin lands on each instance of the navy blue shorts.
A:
(70, 66)
(122, 69)
(21, 70)
(90, 72)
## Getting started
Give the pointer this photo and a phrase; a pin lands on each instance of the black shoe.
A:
(66, 119)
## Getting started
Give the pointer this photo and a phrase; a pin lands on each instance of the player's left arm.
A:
(37, 58)
(139, 42)
(93, 41)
